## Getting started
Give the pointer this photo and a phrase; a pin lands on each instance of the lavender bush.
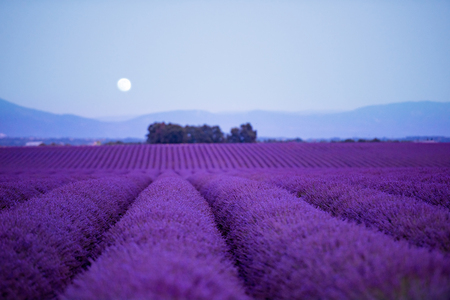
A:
(47, 240)
(165, 247)
(405, 218)
(17, 191)
(286, 249)
(431, 185)
(431, 188)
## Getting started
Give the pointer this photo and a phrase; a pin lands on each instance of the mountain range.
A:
(424, 118)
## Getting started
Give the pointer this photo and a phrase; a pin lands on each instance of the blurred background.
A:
(300, 59)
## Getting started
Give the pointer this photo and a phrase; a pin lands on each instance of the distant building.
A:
(34, 143)
(425, 141)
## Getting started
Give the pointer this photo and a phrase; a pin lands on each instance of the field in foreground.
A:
(259, 221)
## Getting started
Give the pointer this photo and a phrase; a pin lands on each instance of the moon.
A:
(124, 84)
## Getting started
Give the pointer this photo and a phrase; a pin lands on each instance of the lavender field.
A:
(226, 221)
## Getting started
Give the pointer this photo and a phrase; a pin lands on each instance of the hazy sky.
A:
(67, 56)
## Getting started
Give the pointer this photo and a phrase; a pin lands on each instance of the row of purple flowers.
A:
(224, 237)
(287, 249)
(46, 240)
(401, 217)
(165, 247)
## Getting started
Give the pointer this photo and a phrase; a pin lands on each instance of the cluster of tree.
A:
(282, 140)
(375, 140)
(162, 133)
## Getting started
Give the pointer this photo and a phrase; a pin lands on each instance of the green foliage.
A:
(234, 136)
(244, 134)
(162, 133)
(204, 134)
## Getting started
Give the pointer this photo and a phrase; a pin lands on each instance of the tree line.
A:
(162, 133)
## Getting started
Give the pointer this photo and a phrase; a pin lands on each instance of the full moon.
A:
(124, 84)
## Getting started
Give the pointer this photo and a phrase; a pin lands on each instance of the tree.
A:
(175, 134)
(234, 136)
(204, 134)
(217, 135)
(155, 133)
(244, 134)
(162, 133)
(248, 135)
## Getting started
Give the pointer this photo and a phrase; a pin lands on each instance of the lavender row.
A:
(17, 191)
(36, 175)
(74, 174)
(431, 185)
(431, 175)
(26, 186)
(165, 247)
(47, 240)
(401, 217)
(226, 156)
(286, 249)
(431, 189)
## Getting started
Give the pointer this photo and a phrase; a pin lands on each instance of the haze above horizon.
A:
(66, 57)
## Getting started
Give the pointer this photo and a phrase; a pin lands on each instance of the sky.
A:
(220, 56)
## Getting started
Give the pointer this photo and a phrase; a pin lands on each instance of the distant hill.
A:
(396, 120)
(19, 121)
